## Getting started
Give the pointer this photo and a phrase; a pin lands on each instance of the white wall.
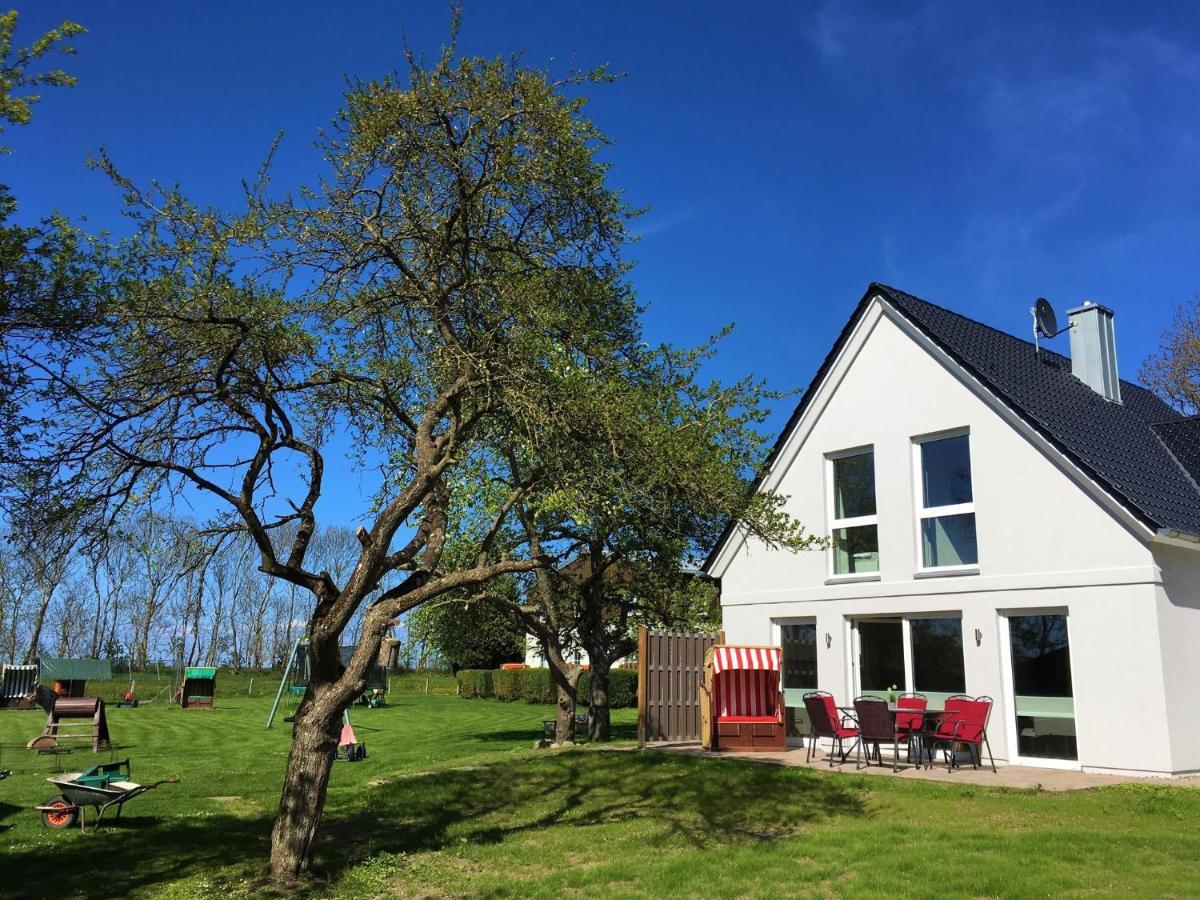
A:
(1046, 540)
(1179, 629)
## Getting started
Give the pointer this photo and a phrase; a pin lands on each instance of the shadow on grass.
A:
(6, 810)
(621, 732)
(680, 801)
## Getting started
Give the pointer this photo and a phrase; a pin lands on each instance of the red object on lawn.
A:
(741, 704)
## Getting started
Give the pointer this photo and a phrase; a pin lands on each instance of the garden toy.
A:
(372, 697)
(72, 708)
(199, 688)
(741, 705)
(294, 680)
(349, 748)
(100, 787)
(296, 673)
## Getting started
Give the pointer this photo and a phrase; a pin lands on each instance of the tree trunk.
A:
(598, 711)
(314, 742)
(315, 736)
(566, 682)
(35, 636)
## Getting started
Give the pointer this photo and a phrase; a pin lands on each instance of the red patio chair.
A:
(910, 725)
(964, 722)
(876, 725)
(825, 722)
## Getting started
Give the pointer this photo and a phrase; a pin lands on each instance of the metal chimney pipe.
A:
(1094, 349)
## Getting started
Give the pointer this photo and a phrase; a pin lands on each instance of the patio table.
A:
(930, 718)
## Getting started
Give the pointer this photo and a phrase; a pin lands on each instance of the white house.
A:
(1003, 522)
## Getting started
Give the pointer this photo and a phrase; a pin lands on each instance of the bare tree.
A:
(1174, 370)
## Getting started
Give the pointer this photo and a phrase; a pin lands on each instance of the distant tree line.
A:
(159, 589)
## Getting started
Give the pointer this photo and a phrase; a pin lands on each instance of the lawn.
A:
(453, 801)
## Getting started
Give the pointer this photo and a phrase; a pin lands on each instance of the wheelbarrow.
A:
(100, 787)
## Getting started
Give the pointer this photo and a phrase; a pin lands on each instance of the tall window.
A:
(854, 522)
(1043, 694)
(880, 655)
(913, 653)
(937, 656)
(947, 508)
(799, 642)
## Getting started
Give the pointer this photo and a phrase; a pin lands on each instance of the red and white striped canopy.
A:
(742, 658)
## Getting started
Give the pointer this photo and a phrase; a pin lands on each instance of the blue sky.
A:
(791, 153)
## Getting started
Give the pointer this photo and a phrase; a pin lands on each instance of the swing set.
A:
(298, 671)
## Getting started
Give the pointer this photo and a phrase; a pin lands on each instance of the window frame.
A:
(939, 512)
(906, 645)
(832, 576)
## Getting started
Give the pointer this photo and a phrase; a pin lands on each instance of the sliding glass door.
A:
(880, 656)
(1043, 695)
(922, 654)
(937, 658)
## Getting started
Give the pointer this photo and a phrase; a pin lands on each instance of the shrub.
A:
(473, 683)
(536, 686)
(622, 688)
(506, 684)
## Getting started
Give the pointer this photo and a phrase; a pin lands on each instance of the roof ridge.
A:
(1001, 331)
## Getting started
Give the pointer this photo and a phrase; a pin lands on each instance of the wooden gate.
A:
(670, 669)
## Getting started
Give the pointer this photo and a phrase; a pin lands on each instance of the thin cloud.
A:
(840, 27)
(656, 224)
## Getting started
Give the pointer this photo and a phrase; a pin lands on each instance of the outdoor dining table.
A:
(930, 717)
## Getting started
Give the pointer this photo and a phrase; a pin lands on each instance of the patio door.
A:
(1042, 728)
(879, 658)
(920, 652)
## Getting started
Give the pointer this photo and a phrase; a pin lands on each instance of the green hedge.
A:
(536, 686)
(474, 683)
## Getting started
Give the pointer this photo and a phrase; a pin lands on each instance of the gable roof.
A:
(1130, 449)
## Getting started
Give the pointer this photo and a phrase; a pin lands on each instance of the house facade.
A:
(1003, 521)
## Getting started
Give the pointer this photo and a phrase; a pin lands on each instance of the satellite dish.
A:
(1044, 319)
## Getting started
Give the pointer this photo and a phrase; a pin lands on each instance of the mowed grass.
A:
(453, 801)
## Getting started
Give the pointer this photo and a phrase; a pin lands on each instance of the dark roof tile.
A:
(1114, 443)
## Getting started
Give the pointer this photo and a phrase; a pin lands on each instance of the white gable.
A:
(1035, 513)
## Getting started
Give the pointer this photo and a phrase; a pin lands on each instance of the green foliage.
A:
(622, 688)
(15, 71)
(474, 683)
(536, 686)
(469, 635)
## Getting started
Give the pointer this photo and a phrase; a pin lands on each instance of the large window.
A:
(913, 653)
(937, 656)
(799, 641)
(1044, 698)
(947, 503)
(854, 522)
(880, 655)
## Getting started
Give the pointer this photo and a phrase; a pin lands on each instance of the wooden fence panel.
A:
(670, 669)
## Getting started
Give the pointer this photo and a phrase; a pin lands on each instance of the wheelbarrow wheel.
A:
(62, 813)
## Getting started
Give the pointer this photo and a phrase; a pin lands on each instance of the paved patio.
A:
(1005, 776)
